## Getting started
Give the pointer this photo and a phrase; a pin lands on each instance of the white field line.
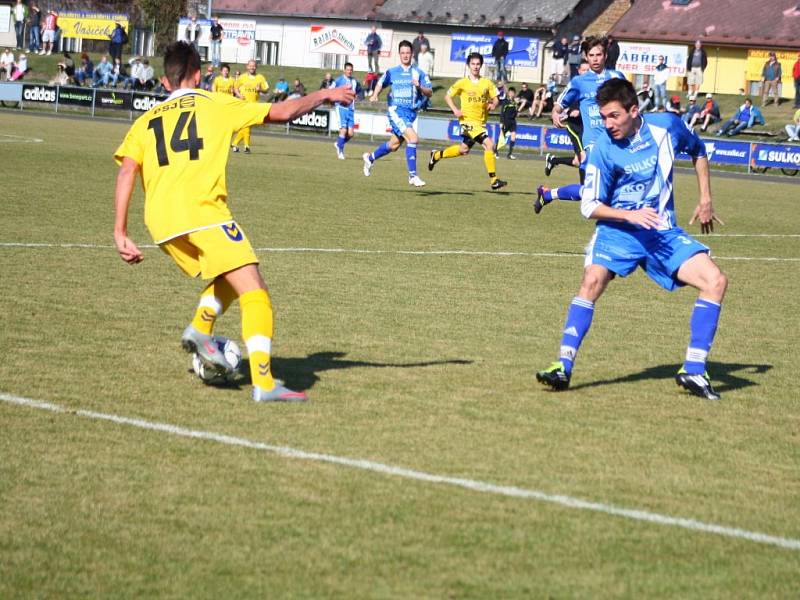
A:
(384, 469)
(499, 253)
(8, 138)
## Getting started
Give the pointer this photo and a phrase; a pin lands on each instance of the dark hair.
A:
(512, 89)
(593, 41)
(348, 64)
(181, 60)
(405, 43)
(225, 66)
(619, 90)
(477, 55)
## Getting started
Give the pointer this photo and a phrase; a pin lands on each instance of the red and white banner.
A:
(346, 40)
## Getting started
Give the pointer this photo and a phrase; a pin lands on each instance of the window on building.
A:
(334, 61)
(268, 53)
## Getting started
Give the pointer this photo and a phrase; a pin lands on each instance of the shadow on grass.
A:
(302, 373)
(724, 376)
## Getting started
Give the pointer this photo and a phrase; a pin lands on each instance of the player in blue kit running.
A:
(629, 191)
(581, 90)
(345, 112)
(410, 86)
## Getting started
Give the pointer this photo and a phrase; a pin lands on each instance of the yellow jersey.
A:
(250, 85)
(223, 85)
(182, 148)
(475, 98)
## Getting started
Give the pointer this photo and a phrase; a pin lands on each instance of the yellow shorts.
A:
(211, 252)
(472, 133)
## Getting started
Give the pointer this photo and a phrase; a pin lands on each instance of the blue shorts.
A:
(401, 119)
(659, 253)
(346, 117)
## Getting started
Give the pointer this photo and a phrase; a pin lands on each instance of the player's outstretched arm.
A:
(126, 178)
(704, 211)
(280, 112)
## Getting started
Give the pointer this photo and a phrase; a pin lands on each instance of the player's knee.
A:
(719, 284)
(592, 285)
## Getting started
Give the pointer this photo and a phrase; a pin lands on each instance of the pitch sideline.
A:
(385, 469)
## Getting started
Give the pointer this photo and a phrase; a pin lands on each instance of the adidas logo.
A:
(571, 331)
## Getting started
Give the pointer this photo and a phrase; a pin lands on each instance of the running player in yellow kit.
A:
(478, 96)
(248, 86)
(180, 150)
(223, 83)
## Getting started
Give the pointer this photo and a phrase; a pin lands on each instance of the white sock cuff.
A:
(259, 343)
(211, 302)
(697, 355)
(582, 302)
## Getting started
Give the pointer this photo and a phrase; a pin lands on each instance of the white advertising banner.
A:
(238, 40)
(346, 40)
(641, 58)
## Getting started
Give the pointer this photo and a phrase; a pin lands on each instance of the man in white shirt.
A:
(20, 15)
(425, 60)
(6, 64)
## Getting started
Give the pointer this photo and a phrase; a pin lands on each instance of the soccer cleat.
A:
(247, 149)
(235, 148)
(278, 394)
(697, 384)
(432, 161)
(540, 201)
(207, 349)
(499, 183)
(367, 164)
(555, 376)
(415, 181)
(339, 152)
(511, 157)
(548, 165)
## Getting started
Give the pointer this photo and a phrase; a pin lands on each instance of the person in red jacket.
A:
(796, 75)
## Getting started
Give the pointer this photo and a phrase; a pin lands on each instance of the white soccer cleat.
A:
(367, 164)
(415, 181)
(339, 153)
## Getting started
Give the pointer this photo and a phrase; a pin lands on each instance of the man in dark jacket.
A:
(499, 53)
(560, 52)
(695, 65)
(612, 53)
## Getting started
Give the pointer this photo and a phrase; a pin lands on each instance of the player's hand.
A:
(704, 212)
(373, 98)
(557, 118)
(645, 217)
(343, 95)
(458, 114)
(128, 250)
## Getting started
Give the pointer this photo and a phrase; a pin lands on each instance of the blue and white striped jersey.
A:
(637, 172)
(404, 94)
(583, 91)
(343, 81)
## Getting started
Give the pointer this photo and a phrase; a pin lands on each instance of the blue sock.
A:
(340, 142)
(411, 159)
(570, 192)
(703, 326)
(579, 319)
(381, 150)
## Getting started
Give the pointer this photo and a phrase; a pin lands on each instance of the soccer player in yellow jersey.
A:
(180, 150)
(248, 86)
(478, 96)
(223, 83)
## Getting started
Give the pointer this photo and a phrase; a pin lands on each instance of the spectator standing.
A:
(425, 60)
(216, 42)
(35, 28)
(612, 53)
(771, 76)
(747, 116)
(85, 71)
(326, 82)
(20, 16)
(796, 76)
(117, 39)
(192, 33)
(49, 35)
(793, 128)
(417, 44)
(373, 44)
(559, 64)
(696, 64)
(708, 114)
(500, 53)
(660, 78)
(574, 56)
(103, 72)
(7, 63)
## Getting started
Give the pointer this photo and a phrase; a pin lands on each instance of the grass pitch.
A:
(413, 357)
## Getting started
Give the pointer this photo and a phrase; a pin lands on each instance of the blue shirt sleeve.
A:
(569, 96)
(599, 181)
(689, 141)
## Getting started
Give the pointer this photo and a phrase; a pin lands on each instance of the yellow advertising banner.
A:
(89, 25)
(757, 58)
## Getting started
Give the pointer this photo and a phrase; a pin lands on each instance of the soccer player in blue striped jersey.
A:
(345, 112)
(629, 192)
(409, 85)
(581, 90)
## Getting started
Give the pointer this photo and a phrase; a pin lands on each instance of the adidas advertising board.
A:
(144, 102)
(316, 120)
(39, 93)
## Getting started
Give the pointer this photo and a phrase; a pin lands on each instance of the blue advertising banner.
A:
(722, 151)
(529, 136)
(522, 51)
(774, 155)
(557, 138)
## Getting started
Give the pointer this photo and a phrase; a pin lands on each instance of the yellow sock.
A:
(491, 165)
(246, 136)
(214, 301)
(238, 138)
(452, 151)
(257, 333)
